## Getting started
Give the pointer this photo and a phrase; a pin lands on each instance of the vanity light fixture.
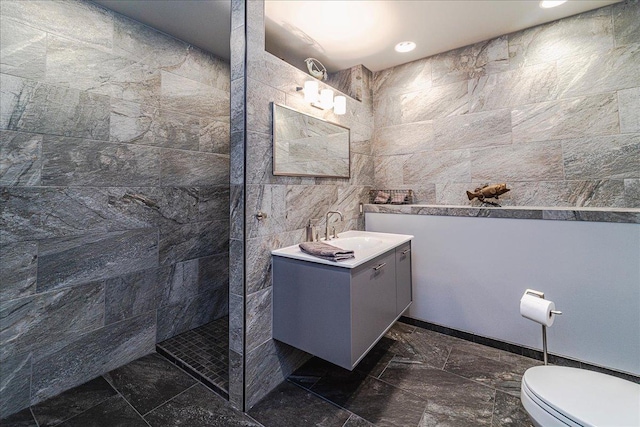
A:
(546, 4)
(324, 99)
(403, 47)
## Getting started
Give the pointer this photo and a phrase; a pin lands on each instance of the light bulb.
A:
(311, 91)
(339, 105)
(546, 4)
(326, 98)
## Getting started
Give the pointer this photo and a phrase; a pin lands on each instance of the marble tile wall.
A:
(114, 185)
(289, 202)
(552, 110)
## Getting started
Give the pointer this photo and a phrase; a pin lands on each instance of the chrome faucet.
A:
(326, 224)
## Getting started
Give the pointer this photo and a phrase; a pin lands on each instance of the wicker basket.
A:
(391, 197)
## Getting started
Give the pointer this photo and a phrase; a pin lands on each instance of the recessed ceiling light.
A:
(405, 47)
(546, 4)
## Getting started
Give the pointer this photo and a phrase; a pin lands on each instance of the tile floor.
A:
(412, 378)
(203, 352)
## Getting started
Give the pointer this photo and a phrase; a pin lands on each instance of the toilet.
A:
(558, 396)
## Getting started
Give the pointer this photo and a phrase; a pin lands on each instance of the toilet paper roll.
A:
(537, 309)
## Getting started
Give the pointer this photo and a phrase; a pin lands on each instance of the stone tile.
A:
(23, 418)
(198, 407)
(258, 318)
(191, 313)
(130, 295)
(605, 157)
(429, 104)
(189, 241)
(214, 203)
(22, 50)
(473, 130)
(509, 412)
(356, 421)
(596, 193)
(267, 366)
(189, 96)
(478, 349)
(81, 21)
(576, 117)
(599, 72)
(20, 159)
(177, 283)
(18, 268)
(288, 404)
(388, 170)
(404, 139)
(476, 60)
(113, 412)
(46, 322)
(72, 402)
(451, 399)
(259, 99)
(92, 354)
(304, 202)
(521, 86)
(405, 78)
(184, 168)
(421, 347)
(236, 266)
(588, 32)
(30, 106)
(236, 382)
(74, 260)
(523, 162)
(632, 193)
(271, 200)
(238, 108)
(500, 375)
(83, 162)
(454, 194)
(213, 272)
(150, 381)
(237, 47)
(629, 105)
(15, 380)
(236, 323)
(437, 166)
(373, 400)
(39, 213)
(625, 23)
(214, 136)
(142, 124)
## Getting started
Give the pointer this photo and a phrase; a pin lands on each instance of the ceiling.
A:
(342, 34)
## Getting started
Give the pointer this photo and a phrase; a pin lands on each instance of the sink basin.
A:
(365, 245)
(356, 243)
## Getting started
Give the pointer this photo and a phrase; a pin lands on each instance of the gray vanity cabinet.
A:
(337, 313)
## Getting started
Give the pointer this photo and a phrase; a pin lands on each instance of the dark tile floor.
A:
(412, 378)
(203, 352)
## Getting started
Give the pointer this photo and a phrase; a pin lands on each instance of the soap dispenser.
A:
(311, 232)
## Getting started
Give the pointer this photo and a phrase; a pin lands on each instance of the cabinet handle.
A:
(406, 251)
(380, 266)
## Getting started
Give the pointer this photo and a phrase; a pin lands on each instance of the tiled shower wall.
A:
(289, 202)
(115, 193)
(553, 111)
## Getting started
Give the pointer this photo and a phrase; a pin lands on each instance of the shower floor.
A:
(203, 352)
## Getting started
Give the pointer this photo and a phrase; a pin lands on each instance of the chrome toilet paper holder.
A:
(544, 328)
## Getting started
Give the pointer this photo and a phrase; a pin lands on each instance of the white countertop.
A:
(365, 244)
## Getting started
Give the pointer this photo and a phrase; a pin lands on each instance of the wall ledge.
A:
(619, 215)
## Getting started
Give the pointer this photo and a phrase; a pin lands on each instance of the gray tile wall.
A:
(552, 110)
(114, 175)
(289, 202)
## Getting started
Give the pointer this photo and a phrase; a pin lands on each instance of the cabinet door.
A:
(403, 275)
(373, 302)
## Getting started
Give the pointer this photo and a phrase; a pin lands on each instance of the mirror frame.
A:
(274, 142)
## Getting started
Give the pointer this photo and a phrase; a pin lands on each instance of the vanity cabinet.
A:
(336, 313)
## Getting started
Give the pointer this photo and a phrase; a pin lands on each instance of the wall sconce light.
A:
(324, 99)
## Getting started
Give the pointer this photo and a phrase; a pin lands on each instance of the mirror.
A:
(304, 145)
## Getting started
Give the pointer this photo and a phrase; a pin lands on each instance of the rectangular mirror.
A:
(304, 145)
